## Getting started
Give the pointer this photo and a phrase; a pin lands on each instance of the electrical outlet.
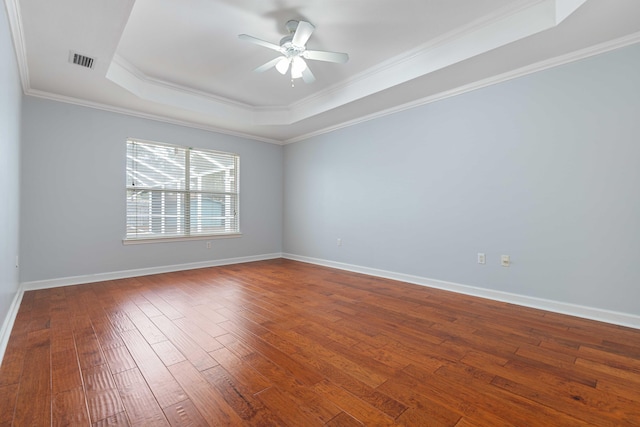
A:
(505, 261)
(481, 258)
(339, 242)
(208, 245)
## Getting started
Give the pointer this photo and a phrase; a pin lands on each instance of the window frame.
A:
(185, 214)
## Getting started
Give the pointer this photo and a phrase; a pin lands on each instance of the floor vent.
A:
(81, 60)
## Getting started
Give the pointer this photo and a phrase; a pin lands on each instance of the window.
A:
(180, 192)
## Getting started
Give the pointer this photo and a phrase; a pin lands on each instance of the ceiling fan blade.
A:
(308, 76)
(320, 55)
(268, 65)
(259, 42)
(302, 34)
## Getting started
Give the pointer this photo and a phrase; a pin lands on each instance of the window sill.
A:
(179, 239)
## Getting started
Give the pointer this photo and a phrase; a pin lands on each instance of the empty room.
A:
(320, 213)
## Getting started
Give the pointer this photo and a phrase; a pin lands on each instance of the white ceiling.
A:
(181, 60)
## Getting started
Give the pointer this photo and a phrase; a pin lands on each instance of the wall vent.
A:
(81, 60)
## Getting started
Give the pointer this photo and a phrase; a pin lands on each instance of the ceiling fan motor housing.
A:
(291, 50)
(291, 26)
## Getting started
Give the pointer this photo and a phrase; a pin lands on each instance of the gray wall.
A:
(73, 193)
(10, 100)
(544, 168)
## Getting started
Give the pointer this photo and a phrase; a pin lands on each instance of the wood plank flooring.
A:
(282, 343)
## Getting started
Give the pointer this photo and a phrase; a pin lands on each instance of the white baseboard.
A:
(613, 317)
(100, 277)
(616, 318)
(7, 324)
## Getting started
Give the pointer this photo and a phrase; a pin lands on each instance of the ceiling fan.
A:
(293, 52)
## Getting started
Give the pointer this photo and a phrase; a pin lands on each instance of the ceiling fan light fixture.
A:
(298, 65)
(283, 65)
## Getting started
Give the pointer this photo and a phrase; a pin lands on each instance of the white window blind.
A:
(175, 192)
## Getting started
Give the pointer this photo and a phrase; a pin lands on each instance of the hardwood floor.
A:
(278, 343)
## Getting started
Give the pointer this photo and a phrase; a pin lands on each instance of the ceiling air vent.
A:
(81, 60)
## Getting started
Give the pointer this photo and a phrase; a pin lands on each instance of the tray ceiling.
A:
(182, 62)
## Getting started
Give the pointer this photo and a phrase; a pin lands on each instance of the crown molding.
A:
(130, 78)
(529, 69)
(510, 75)
(507, 25)
(19, 45)
(148, 116)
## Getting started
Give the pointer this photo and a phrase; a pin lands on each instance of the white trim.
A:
(507, 25)
(100, 277)
(616, 318)
(9, 320)
(120, 62)
(500, 78)
(591, 313)
(142, 241)
(148, 116)
(127, 76)
(520, 72)
(17, 34)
